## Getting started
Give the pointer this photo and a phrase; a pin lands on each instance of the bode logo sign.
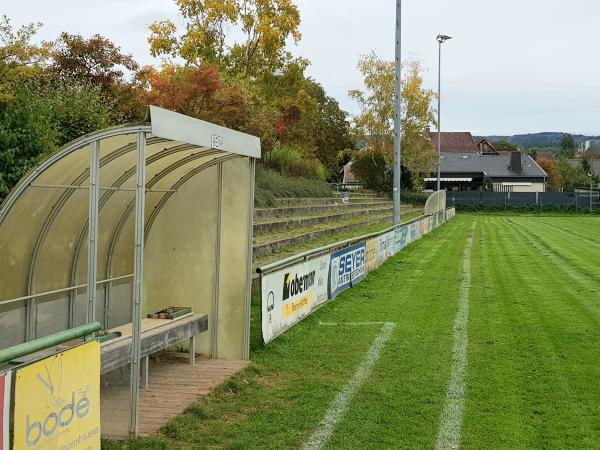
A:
(57, 401)
(56, 420)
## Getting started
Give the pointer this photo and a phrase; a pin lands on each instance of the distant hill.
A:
(549, 139)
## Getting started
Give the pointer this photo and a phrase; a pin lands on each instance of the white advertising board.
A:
(291, 294)
(385, 246)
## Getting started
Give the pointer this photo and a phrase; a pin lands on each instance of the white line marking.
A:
(452, 415)
(338, 407)
(335, 324)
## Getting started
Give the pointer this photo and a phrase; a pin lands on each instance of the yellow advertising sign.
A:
(57, 402)
(371, 259)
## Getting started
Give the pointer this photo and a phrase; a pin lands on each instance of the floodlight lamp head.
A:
(441, 38)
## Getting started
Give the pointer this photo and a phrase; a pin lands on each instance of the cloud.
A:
(511, 66)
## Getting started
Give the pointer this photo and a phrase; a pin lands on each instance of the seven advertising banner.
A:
(290, 294)
(5, 380)
(347, 268)
(57, 401)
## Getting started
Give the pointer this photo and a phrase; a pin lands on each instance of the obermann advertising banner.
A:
(290, 294)
(347, 268)
(57, 401)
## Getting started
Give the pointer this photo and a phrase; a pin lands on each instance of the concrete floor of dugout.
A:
(173, 385)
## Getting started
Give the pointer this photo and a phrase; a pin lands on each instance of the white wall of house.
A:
(519, 187)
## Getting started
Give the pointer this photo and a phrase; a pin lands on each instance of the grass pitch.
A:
(531, 379)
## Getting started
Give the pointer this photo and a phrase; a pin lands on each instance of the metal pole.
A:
(214, 322)
(397, 112)
(138, 277)
(93, 230)
(248, 299)
(439, 114)
(26, 348)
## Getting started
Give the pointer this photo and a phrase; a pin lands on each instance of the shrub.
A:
(373, 169)
(414, 198)
(78, 109)
(271, 185)
(27, 133)
(296, 162)
(40, 119)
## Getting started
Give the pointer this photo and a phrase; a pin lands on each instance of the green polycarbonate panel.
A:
(179, 267)
(233, 276)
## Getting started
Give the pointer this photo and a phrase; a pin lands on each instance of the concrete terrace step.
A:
(272, 225)
(315, 201)
(264, 248)
(291, 211)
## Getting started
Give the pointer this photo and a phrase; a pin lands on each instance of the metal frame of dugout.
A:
(128, 221)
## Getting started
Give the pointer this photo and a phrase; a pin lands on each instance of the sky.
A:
(513, 66)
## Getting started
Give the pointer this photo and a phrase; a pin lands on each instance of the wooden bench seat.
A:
(157, 334)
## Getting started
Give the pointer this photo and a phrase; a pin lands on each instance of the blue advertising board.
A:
(346, 269)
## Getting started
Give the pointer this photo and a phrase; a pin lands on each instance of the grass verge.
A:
(534, 342)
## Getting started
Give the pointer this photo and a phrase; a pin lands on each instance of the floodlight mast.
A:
(441, 38)
(397, 112)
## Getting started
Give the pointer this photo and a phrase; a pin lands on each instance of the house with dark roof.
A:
(514, 172)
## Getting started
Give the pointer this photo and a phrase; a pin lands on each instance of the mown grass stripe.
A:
(340, 404)
(452, 415)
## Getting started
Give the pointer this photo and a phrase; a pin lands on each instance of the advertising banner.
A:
(290, 294)
(415, 232)
(347, 268)
(385, 246)
(401, 238)
(372, 261)
(57, 401)
(5, 380)
(423, 226)
(450, 213)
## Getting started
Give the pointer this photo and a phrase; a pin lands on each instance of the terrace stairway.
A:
(294, 221)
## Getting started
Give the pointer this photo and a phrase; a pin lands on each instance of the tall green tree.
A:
(505, 146)
(567, 145)
(263, 28)
(20, 58)
(27, 132)
(374, 125)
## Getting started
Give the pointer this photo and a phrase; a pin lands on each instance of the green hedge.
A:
(414, 198)
(535, 209)
(271, 185)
